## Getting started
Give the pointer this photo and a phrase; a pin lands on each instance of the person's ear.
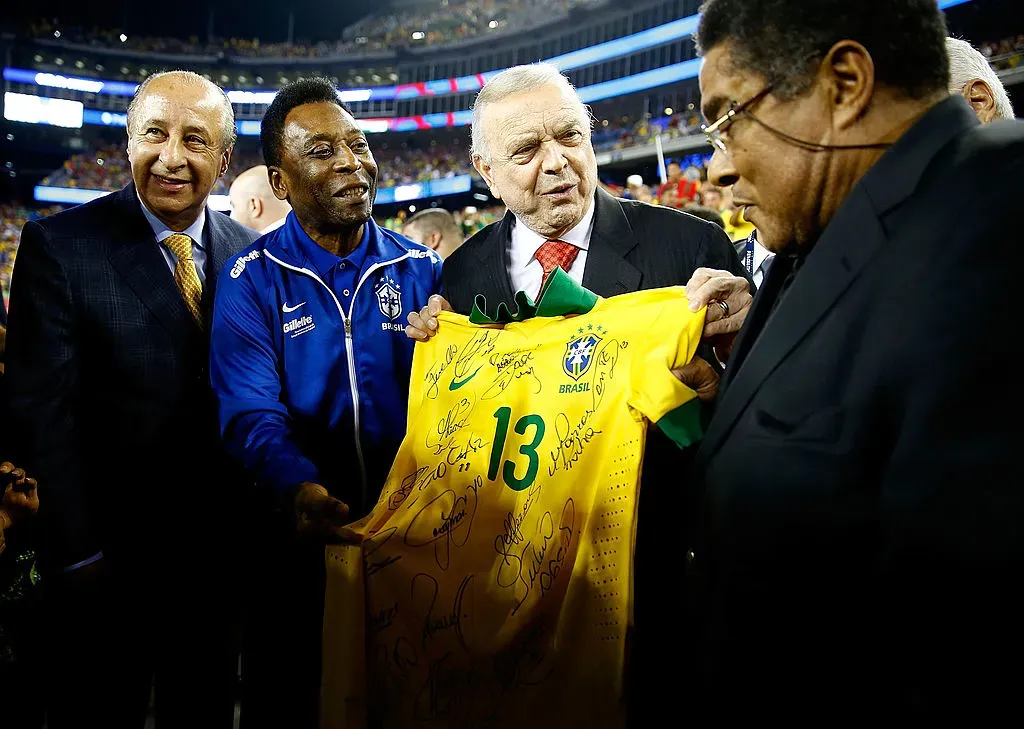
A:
(848, 73)
(485, 172)
(278, 183)
(981, 98)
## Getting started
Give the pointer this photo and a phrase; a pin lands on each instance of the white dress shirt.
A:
(525, 270)
(194, 231)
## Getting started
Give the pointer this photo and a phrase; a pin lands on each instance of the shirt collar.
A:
(760, 253)
(162, 232)
(323, 260)
(528, 241)
(273, 226)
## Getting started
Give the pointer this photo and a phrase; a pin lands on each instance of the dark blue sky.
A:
(266, 19)
(324, 19)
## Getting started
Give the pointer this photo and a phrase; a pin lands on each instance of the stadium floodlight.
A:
(68, 82)
(41, 110)
(124, 38)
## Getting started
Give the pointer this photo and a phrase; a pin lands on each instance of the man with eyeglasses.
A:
(860, 533)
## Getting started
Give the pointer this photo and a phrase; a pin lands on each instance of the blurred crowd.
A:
(435, 23)
(107, 167)
(12, 219)
(1007, 53)
(446, 21)
(629, 133)
(470, 219)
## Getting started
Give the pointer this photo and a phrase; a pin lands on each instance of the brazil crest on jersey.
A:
(496, 570)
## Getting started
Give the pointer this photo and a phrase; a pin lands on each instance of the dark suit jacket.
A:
(634, 246)
(109, 389)
(863, 524)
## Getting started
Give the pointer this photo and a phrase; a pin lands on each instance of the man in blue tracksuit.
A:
(311, 365)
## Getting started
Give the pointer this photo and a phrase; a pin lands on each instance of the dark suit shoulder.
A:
(461, 255)
(464, 257)
(222, 225)
(645, 216)
(86, 219)
(990, 152)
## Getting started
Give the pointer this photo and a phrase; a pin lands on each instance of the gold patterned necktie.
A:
(185, 273)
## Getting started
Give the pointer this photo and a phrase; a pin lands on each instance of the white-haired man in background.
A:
(971, 76)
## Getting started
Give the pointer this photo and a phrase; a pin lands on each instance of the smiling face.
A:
(541, 162)
(327, 172)
(176, 148)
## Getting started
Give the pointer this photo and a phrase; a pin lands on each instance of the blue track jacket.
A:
(309, 358)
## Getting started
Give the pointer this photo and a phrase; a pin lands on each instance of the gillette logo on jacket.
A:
(309, 358)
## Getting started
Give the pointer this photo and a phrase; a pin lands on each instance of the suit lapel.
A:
(493, 258)
(137, 258)
(836, 261)
(219, 249)
(607, 272)
(845, 247)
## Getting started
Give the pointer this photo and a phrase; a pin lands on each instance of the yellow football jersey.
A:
(496, 570)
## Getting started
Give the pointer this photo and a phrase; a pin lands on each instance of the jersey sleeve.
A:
(654, 391)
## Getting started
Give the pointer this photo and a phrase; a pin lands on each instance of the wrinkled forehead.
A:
(321, 120)
(541, 113)
(194, 103)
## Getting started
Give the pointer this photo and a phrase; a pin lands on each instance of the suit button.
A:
(690, 556)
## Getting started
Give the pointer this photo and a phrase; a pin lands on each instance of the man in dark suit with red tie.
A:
(107, 369)
(531, 144)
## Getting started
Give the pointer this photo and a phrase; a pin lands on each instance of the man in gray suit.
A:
(107, 368)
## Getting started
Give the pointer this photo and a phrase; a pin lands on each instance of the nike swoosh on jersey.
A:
(456, 384)
(289, 309)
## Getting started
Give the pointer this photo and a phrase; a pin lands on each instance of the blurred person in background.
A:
(436, 229)
(20, 655)
(637, 190)
(705, 213)
(858, 539)
(711, 196)
(310, 364)
(253, 203)
(678, 189)
(971, 76)
(531, 144)
(111, 408)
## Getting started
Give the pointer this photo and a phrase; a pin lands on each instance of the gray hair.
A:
(966, 63)
(188, 77)
(517, 80)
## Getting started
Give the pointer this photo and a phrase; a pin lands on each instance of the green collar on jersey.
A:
(560, 296)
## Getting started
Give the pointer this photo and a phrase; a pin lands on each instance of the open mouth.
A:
(352, 192)
(170, 183)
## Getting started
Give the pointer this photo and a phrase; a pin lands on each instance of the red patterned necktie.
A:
(555, 253)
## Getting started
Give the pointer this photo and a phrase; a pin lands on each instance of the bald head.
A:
(253, 203)
(436, 229)
(214, 96)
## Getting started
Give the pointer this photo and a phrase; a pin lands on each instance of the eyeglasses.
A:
(714, 131)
